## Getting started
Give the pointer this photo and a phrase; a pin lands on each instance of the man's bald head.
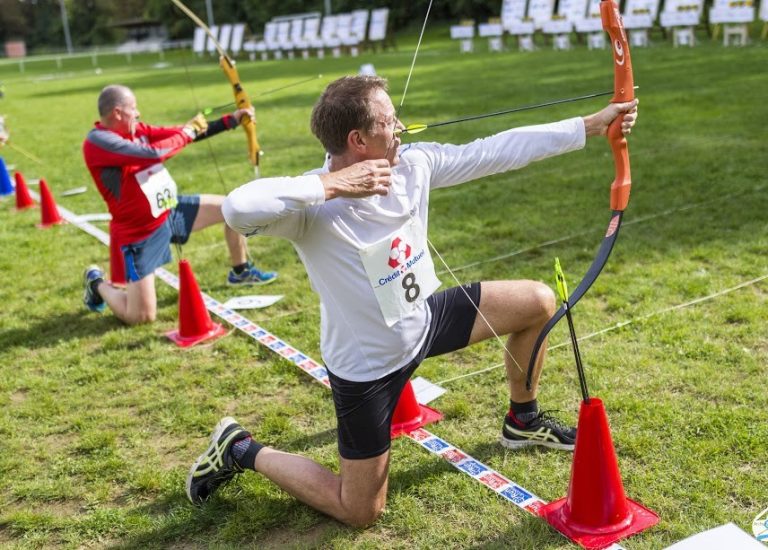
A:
(112, 96)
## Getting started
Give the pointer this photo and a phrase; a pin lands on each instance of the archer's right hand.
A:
(363, 179)
(196, 126)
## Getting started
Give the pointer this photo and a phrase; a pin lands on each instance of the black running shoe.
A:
(544, 430)
(216, 466)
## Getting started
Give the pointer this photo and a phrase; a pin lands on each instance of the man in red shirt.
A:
(125, 158)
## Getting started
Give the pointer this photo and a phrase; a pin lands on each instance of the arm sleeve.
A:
(114, 150)
(227, 122)
(508, 150)
(273, 206)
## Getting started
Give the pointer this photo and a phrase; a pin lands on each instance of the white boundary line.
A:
(465, 463)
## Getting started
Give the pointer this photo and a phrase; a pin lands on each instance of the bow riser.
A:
(242, 101)
(624, 90)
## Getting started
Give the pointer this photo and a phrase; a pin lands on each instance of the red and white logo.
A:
(399, 252)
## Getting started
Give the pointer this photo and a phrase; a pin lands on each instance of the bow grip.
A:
(623, 181)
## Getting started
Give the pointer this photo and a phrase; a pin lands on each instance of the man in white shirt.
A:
(360, 229)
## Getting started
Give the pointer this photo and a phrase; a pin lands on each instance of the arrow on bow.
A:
(242, 101)
(623, 86)
(417, 128)
(209, 110)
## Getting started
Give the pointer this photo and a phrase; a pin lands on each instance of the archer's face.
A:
(126, 115)
(381, 141)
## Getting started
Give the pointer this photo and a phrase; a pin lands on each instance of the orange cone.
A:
(23, 199)
(195, 323)
(49, 209)
(409, 415)
(596, 513)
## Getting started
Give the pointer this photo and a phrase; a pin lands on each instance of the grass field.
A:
(99, 422)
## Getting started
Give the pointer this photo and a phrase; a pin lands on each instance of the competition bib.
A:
(159, 188)
(401, 271)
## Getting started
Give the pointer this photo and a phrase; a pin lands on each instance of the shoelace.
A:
(546, 417)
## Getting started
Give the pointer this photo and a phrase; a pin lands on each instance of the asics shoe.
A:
(250, 276)
(216, 466)
(91, 298)
(543, 430)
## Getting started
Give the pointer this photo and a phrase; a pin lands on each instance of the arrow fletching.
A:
(562, 285)
(412, 129)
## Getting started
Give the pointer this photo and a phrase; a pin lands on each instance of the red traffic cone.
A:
(195, 323)
(49, 209)
(596, 512)
(409, 415)
(23, 200)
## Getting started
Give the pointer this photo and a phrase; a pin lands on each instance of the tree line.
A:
(98, 22)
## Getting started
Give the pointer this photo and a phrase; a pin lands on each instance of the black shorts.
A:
(364, 409)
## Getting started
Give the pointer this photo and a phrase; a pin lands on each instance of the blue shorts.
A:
(143, 257)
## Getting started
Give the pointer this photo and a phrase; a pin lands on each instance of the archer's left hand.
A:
(597, 124)
(240, 113)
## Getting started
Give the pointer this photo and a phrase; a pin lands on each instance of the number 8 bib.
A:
(400, 271)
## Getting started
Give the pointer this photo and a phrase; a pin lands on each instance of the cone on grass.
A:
(410, 415)
(50, 212)
(195, 323)
(6, 187)
(23, 199)
(596, 512)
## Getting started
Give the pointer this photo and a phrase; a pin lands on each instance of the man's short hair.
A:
(112, 96)
(343, 107)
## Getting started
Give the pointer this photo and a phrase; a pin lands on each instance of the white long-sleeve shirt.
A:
(358, 341)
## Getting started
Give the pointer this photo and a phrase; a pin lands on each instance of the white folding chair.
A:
(357, 28)
(236, 42)
(515, 22)
(592, 25)
(210, 47)
(464, 33)
(682, 16)
(377, 30)
(308, 37)
(327, 35)
(294, 37)
(225, 35)
(282, 38)
(735, 16)
(493, 31)
(267, 44)
(639, 16)
(561, 24)
(198, 41)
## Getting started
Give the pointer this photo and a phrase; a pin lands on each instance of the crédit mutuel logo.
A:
(760, 526)
(399, 252)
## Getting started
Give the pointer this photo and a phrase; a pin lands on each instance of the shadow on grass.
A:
(42, 333)
(262, 515)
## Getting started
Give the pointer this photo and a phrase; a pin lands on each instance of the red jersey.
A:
(114, 159)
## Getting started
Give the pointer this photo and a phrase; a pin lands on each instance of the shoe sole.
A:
(223, 424)
(515, 444)
(259, 283)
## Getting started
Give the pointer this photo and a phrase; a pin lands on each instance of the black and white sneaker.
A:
(216, 466)
(543, 430)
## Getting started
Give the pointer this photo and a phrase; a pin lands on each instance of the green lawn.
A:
(99, 423)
